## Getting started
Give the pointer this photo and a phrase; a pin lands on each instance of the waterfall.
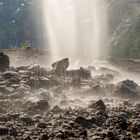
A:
(75, 28)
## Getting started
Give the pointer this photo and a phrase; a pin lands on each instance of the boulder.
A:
(60, 67)
(126, 89)
(4, 62)
(100, 105)
(80, 73)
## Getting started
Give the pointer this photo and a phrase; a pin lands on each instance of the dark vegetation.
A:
(18, 22)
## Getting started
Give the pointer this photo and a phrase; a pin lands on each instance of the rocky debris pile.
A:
(94, 122)
(4, 62)
(36, 104)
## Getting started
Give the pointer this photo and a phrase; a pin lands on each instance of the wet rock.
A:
(5, 103)
(76, 82)
(13, 132)
(8, 138)
(15, 96)
(42, 104)
(100, 105)
(4, 62)
(126, 89)
(9, 74)
(97, 90)
(26, 137)
(60, 67)
(80, 73)
(42, 125)
(27, 120)
(56, 109)
(43, 94)
(37, 70)
(13, 116)
(3, 131)
(44, 137)
(122, 122)
(83, 134)
(135, 127)
(45, 82)
(127, 103)
(81, 121)
(7, 90)
(34, 82)
(23, 68)
(111, 135)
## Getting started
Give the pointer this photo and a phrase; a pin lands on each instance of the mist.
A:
(75, 29)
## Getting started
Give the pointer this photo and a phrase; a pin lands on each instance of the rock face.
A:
(126, 89)
(60, 67)
(4, 62)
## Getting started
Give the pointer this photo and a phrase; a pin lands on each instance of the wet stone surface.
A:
(36, 104)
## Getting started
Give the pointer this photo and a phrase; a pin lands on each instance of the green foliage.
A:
(25, 45)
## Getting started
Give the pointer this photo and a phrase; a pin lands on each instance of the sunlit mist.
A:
(75, 28)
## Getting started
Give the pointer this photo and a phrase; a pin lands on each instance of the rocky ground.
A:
(61, 104)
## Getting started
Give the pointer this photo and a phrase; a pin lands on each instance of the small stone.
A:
(27, 120)
(42, 125)
(3, 130)
(13, 132)
(26, 137)
(44, 137)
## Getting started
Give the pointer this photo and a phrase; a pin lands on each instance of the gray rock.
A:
(60, 67)
(100, 105)
(42, 105)
(42, 125)
(9, 74)
(4, 62)
(126, 89)
(3, 130)
(80, 73)
(37, 70)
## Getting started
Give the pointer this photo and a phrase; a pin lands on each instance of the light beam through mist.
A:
(75, 29)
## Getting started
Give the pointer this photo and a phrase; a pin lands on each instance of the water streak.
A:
(75, 28)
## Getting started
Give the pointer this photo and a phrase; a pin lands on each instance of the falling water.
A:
(75, 28)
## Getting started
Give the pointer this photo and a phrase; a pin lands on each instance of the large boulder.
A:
(127, 89)
(60, 67)
(4, 62)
